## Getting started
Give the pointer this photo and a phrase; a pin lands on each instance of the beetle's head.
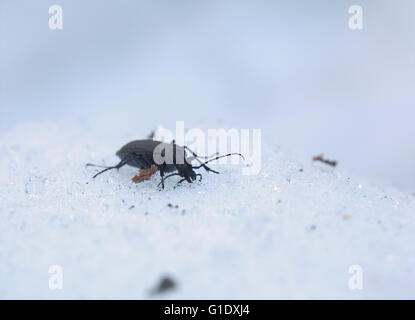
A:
(186, 171)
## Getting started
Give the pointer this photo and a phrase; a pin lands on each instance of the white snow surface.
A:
(284, 233)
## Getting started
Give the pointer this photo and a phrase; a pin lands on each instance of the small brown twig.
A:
(320, 158)
(144, 174)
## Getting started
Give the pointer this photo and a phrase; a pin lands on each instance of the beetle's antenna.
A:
(195, 156)
(226, 155)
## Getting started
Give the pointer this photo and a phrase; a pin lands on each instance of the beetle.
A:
(167, 157)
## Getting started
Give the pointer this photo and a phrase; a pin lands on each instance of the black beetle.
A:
(143, 154)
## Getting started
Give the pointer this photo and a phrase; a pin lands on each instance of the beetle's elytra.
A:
(167, 157)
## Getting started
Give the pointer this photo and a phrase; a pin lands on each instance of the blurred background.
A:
(292, 68)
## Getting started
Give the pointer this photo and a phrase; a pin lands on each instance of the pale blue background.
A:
(291, 68)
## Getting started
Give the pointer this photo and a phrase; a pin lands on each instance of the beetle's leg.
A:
(181, 181)
(198, 175)
(206, 168)
(95, 165)
(122, 163)
(170, 175)
(162, 176)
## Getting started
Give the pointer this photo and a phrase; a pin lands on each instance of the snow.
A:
(292, 231)
(290, 68)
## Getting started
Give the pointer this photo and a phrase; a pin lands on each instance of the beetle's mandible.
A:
(167, 157)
